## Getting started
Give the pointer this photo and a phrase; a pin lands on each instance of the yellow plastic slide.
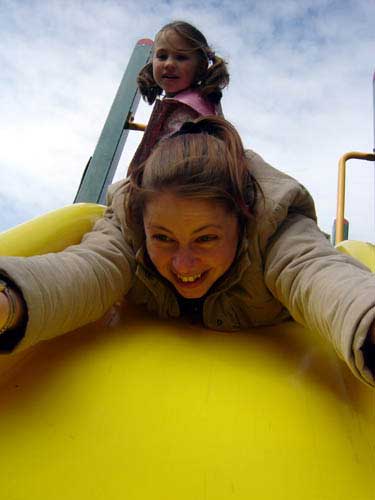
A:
(161, 410)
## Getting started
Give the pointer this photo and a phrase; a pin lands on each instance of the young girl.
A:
(189, 76)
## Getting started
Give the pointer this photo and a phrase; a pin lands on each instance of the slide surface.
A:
(145, 409)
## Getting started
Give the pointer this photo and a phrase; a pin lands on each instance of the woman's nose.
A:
(184, 262)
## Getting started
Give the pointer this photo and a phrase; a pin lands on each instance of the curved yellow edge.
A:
(364, 252)
(51, 232)
(137, 408)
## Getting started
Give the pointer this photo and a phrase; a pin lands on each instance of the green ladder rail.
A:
(101, 168)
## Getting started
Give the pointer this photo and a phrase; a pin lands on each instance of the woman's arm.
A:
(325, 290)
(63, 291)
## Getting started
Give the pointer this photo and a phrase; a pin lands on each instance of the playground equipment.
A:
(146, 408)
(141, 408)
(341, 225)
(101, 167)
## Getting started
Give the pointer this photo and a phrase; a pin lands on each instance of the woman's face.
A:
(191, 242)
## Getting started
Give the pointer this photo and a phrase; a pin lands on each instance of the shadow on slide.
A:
(148, 409)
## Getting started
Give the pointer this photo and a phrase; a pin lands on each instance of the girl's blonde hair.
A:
(212, 74)
(204, 160)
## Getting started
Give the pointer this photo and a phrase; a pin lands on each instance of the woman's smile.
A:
(189, 279)
(191, 242)
(190, 282)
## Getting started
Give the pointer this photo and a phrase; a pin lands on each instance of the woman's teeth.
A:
(189, 279)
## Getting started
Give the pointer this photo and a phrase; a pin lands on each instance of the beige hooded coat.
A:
(285, 266)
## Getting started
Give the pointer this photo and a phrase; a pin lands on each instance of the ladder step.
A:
(136, 126)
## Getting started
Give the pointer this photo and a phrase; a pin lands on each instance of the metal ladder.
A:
(101, 167)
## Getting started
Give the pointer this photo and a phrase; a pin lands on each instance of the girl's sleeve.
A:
(66, 290)
(328, 292)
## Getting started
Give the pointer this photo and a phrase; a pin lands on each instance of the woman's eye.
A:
(182, 57)
(207, 238)
(161, 57)
(161, 237)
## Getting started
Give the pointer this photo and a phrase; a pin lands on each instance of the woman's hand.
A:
(372, 333)
(6, 309)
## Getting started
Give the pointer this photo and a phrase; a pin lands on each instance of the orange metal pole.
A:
(341, 189)
(136, 126)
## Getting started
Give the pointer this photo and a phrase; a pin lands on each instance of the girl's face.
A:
(191, 242)
(174, 65)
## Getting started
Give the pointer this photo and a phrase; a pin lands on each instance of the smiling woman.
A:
(193, 214)
(206, 229)
(193, 244)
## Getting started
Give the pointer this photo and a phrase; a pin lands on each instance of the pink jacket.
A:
(167, 117)
(193, 99)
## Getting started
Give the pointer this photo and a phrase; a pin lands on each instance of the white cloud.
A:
(300, 91)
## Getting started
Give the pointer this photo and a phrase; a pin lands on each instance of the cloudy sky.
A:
(300, 91)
